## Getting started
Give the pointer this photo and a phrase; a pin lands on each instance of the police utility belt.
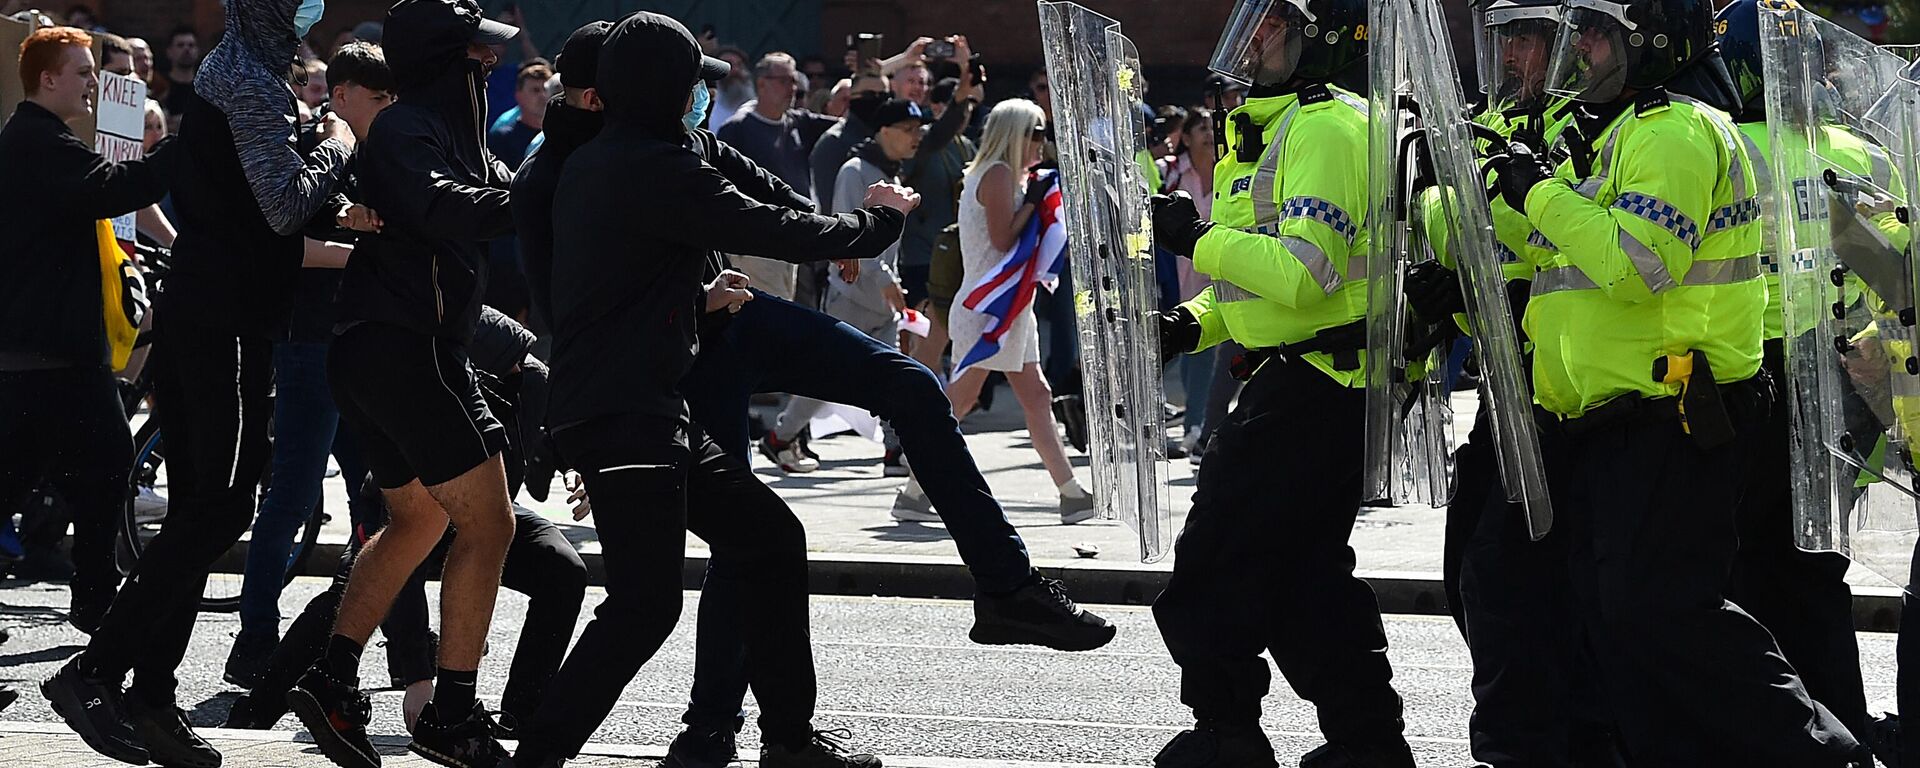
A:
(1343, 343)
(1703, 406)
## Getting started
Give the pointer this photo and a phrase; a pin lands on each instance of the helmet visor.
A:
(1590, 56)
(1515, 48)
(1262, 42)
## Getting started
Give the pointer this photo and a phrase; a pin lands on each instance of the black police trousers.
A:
(652, 479)
(1649, 521)
(1263, 564)
(1536, 701)
(1802, 597)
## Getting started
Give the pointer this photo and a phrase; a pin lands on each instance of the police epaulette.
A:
(1650, 100)
(1314, 94)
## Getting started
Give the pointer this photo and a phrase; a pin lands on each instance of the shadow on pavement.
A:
(212, 713)
(56, 653)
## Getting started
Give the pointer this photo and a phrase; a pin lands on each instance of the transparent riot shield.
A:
(1096, 79)
(1838, 240)
(1421, 36)
(1409, 421)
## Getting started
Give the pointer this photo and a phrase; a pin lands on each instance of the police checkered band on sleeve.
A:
(1514, 42)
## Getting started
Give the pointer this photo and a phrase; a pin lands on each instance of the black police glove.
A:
(1179, 333)
(1522, 167)
(1433, 291)
(1177, 225)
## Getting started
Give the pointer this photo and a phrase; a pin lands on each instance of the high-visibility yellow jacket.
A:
(1288, 252)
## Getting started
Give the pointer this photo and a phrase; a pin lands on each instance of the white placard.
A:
(121, 112)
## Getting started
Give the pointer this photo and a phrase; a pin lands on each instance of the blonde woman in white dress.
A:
(994, 208)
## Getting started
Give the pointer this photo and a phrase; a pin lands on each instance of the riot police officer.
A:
(1286, 247)
(1646, 324)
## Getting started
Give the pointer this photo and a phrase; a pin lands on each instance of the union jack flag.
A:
(1006, 289)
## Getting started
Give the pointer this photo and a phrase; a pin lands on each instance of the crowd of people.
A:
(418, 249)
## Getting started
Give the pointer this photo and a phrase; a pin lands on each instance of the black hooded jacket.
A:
(637, 219)
(425, 169)
(533, 185)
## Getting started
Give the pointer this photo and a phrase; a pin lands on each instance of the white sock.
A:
(1071, 489)
(912, 488)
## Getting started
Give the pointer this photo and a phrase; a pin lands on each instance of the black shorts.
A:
(414, 403)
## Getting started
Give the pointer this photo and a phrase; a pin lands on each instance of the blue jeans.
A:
(774, 345)
(305, 426)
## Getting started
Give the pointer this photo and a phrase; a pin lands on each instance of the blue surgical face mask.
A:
(308, 15)
(698, 114)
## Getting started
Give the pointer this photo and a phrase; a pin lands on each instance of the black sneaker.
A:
(533, 762)
(1216, 746)
(1039, 613)
(1394, 754)
(256, 714)
(96, 710)
(337, 715)
(702, 747)
(248, 659)
(169, 740)
(827, 749)
(467, 742)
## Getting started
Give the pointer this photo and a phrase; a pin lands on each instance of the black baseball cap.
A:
(579, 60)
(714, 68)
(491, 32)
(897, 110)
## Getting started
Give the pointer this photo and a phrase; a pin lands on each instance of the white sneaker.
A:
(913, 506)
(791, 458)
(149, 506)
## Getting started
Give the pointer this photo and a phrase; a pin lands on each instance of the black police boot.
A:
(248, 659)
(703, 747)
(827, 749)
(337, 714)
(1395, 754)
(1039, 613)
(97, 710)
(462, 740)
(1211, 745)
(169, 740)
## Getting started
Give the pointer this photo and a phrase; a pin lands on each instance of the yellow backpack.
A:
(123, 294)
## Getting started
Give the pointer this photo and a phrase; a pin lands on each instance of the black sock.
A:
(453, 693)
(343, 659)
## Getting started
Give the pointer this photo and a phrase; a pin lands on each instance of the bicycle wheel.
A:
(309, 537)
(146, 507)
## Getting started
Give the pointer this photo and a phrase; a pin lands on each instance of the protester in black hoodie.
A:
(60, 411)
(408, 305)
(241, 192)
(628, 267)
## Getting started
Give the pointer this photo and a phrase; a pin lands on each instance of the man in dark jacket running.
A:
(630, 263)
(400, 373)
(242, 191)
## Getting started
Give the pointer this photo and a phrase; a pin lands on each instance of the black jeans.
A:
(68, 426)
(1801, 597)
(1263, 563)
(1649, 517)
(774, 345)
(652, 479)
(212, 392)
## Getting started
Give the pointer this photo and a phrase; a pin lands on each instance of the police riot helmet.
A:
(1608, 46)
(1513, 46)
(1274, 42)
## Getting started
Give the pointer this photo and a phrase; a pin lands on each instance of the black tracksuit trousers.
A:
(67, 425)
(213, 393)
(652, 479)
(1263, 564)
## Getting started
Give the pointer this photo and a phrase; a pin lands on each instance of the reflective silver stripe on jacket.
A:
(1267, 215)
(1722, 271)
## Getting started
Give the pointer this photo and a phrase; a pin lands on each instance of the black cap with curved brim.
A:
(492, 32)
(713, 68)
(579, 60)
